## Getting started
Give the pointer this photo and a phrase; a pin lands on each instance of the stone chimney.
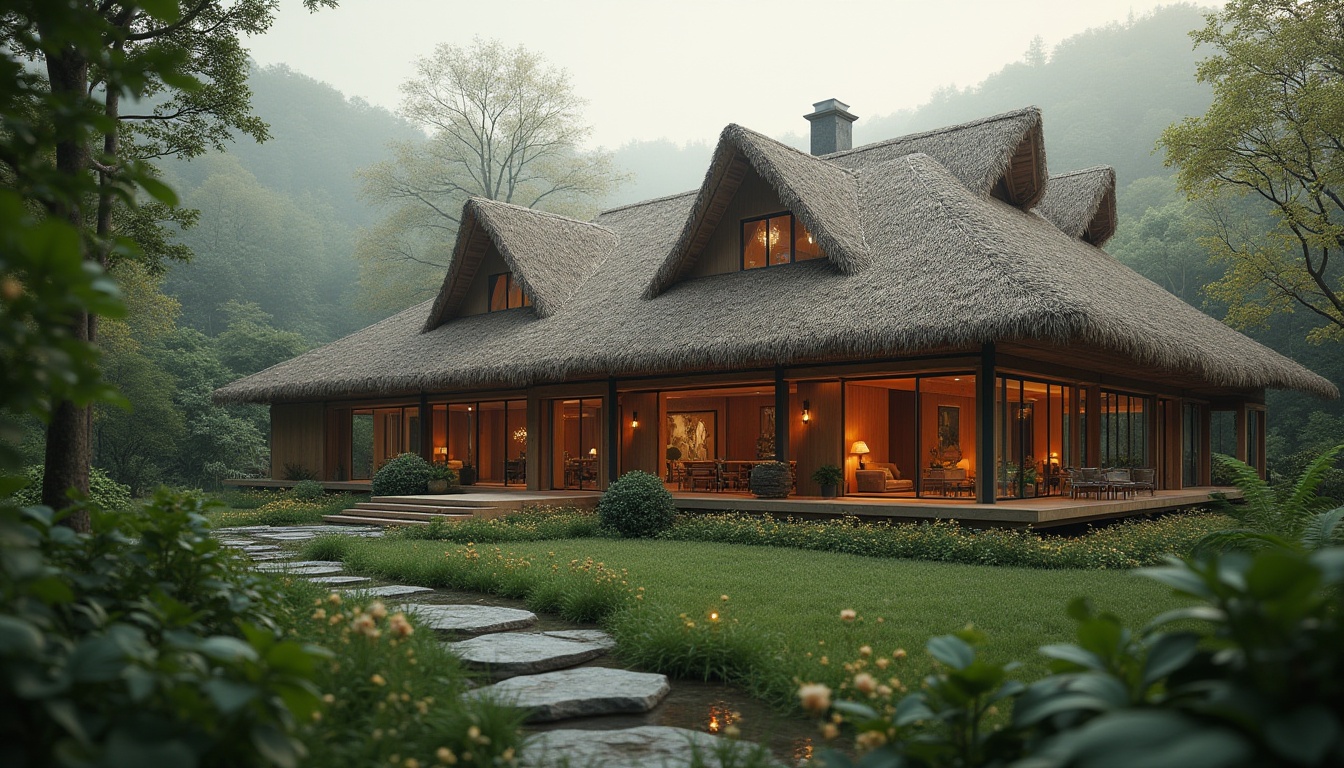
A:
(832, 129)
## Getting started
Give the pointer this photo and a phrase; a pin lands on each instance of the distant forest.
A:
(273, 249)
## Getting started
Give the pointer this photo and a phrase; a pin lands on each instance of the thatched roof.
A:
(925, 255)
(549, 255)
(821, 194)
(1082, 204)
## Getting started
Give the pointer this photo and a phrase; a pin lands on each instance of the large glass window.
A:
(912, 436)
(361, 444)
(1191, 438)
(1033, 420)
(489, 436)
(577, 426)
(506, 294)
(380, 434)
(1124, 429)
(779, 238)
(1255, 430)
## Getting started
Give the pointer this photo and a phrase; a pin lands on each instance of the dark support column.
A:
(783, 418)
(613, 432)
(987, 463)
(426, 429)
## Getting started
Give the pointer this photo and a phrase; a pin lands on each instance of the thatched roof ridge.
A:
(950, 268)
(548, 254)
(980, 153)
(1082, 203)
(822, 195)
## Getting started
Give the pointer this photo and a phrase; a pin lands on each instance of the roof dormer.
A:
(755, 187)
(508, 257)
(1082, 204)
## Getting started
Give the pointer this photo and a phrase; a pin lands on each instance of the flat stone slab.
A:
(262, 548)
(269, 556)
(235, 542)
(393, 590)
(339, 579)
(317, 563)
(302, 570)
(527, 653)
(583, 692)
(471, 619)
(648, 746)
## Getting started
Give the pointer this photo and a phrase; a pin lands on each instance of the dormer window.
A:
(506, 294)
(779, 238)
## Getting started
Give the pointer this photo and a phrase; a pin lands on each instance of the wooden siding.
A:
(868, 418)
(723, 250)
(297, 438)
(819, 441)
(641, 448)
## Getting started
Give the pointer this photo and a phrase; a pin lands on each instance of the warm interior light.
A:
(859, 448)
(592, 451)
(807, 411)
(634, 420)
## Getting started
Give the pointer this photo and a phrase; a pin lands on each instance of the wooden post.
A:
(613, 432)
(426, 429)
(985, 485)
(1094, 417)
(1240, 431)
(783, 419)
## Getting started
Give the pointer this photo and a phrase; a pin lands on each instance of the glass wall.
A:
(1191, 434)
(1033, 421)
(912, 436)
(1124, 429)
(1255, 430)
(380, 434)
(577, 429)
(490, 437)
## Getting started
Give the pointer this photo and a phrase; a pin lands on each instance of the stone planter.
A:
(467, 475)
(830, 491)
(438, 486)
(771, 480)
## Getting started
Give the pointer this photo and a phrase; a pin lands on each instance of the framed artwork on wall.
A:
(692, 433)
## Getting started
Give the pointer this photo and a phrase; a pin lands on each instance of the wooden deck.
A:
(1039, 513)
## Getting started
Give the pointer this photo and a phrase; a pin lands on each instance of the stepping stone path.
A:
(647, 746)
(472, 619)
(539, 669)
(518, 653)
(582, 692)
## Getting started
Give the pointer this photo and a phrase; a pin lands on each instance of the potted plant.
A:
(467, 475)
(771, 480)
(441, 478)
(828, 477)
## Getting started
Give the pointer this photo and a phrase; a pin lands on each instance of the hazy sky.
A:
(682, 69)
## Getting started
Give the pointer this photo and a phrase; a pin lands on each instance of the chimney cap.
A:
(830, 107)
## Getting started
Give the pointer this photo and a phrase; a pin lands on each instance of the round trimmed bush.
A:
(406, 475)
(307, 490)
(637, 505)
(107, 493)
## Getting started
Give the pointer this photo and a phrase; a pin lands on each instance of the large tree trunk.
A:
(67, 451)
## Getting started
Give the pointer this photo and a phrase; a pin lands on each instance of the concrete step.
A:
(430, 508)
(399, 514)
(344, 519)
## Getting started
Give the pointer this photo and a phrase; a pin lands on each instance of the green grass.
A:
(783, 611)
(278, 508)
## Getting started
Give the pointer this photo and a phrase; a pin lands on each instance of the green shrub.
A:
(532, 524)
(143, 643)
(406, 475)
(637, 505)
(282, 509)
(104, 492)
(307, 490)
(330, 546)
(1125, 545)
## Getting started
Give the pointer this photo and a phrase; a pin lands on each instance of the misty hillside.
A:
(1106, 94)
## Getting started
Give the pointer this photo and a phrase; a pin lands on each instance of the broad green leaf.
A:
(275, 746)
(230, 696)
(1167, 654)
(98, 659)
(225, 648)
(19, 639)
(1304, 735)
(951, 650)
(1073, 655)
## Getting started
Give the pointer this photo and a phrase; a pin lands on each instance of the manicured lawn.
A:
(791, 599)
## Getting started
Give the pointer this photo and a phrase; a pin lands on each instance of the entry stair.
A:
(413, 510)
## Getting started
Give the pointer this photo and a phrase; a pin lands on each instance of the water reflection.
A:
(720, 717)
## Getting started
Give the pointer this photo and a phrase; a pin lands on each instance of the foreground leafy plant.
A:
(1259, 681)
(143, 643)
(1288, 515)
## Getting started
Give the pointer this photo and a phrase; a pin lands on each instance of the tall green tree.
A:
(183, 56)
(1275, 132)
(502, 124)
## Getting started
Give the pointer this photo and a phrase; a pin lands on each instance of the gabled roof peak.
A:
(548, 254)
(1082, 204)
(822, 195)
